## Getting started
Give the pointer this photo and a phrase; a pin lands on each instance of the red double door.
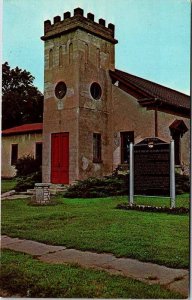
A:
(60, 157)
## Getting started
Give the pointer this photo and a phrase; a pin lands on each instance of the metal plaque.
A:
(152, 167)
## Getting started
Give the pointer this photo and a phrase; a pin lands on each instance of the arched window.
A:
(50, 58)
(95, 90)
(60, 56)
(70, 53)
(98, 58)
(86, 53)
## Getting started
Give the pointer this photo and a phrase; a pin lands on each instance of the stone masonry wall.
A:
(94, 114)
(86, 61)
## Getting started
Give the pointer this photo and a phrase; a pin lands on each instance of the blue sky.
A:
(153, 35)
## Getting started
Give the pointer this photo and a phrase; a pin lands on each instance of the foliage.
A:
(22, 102)
(28, 182)
(28, 173)
(22, 274)
(114, 185)
(26, 165)
(163, 209)
(182, 183)
(99, 187)
(96, 225)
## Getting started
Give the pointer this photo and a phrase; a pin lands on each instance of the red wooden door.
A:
(60, 157)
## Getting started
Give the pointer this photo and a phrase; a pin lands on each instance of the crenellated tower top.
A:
(78, 21)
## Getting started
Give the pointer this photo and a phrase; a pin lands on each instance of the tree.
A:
(22, 102)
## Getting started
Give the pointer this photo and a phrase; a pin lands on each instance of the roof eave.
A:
(21, 132)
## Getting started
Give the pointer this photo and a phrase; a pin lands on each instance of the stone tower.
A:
(77, 140)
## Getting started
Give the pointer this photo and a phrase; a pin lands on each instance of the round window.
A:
(95, 91)
(60, 90)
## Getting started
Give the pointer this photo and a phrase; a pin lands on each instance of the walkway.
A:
(173, 279)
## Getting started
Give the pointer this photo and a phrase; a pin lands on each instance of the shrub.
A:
(28, 173)
(182, 183)
(27, 165)
(163, 209)
(99, 187)
(27, 182)
(114, 185)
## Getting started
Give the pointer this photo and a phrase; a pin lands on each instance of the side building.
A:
(18, 142)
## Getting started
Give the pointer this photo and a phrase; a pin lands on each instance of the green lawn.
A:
(95, 224)
(28, 277)
(7, 185)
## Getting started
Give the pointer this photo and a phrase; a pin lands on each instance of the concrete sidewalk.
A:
(173, 279)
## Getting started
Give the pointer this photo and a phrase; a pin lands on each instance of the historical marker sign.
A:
(152, 167)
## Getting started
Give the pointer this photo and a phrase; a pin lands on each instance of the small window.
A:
(95, 91)
(38, 153)
(50, 59)
(127, 137)
(86, 53)
(70, 53)
(60, 56)
(98, 58)
(14, 154)
(60, 90)
(96, 147)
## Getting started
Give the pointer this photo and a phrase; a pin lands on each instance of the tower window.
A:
(50, 58)
(70, 53)
(96, 147)
(86, 53)
(14, 154)
(95, 91)
(98, 57)
(60, 56)
(60, 90)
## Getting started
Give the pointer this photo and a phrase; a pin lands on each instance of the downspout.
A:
(157, 104)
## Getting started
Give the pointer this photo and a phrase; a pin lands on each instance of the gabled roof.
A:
(151, 94)
(178, 125)
(26, 128)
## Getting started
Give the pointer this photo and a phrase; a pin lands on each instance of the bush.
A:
(28, 173)
(27, 165)
(176, 210)
(182, 183)
(27, 182)
(99, 187)
(114, 185)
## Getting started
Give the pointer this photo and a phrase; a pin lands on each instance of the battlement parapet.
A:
(71, 23)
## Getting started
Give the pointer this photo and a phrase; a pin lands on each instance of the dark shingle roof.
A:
(151, 89)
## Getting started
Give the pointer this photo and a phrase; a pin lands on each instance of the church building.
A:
(92, 111)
